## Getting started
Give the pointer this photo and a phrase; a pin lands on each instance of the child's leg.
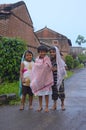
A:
(29, 91)
(46, 101)
(22, 102)
(40, 103)
(30, 102)
(54, 96)
(62, 104)
(54, 105)
(62, 95)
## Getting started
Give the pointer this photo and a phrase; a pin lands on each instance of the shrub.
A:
(82, 58)
(76, 63)
(11, 50)
(69, 61)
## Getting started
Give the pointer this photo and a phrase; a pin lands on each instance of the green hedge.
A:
(69, 62)
(11, 51)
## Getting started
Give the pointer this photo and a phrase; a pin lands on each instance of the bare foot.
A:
(46, 110)
(39, 109)
(30, 107)
(21, 108)
(63, 108)
(53, 107)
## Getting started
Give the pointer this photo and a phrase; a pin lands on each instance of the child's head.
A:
(28, 55)
(42, 50)
(52, 52)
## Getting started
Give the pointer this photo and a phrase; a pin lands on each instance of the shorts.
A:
(58, 93)
(26, 90)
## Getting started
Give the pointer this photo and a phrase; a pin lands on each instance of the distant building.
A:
(75, 51)
(15, 21)
(49, 37)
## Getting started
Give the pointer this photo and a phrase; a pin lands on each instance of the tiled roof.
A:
(47, 32)
(6, 8)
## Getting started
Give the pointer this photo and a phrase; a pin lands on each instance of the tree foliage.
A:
(80, 39)
(11, 51)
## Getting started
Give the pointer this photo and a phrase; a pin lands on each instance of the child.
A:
(25, 72)
(42, 77)
(58, 74)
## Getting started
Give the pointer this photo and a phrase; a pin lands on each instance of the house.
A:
(75, 51)
(49, 37)
(15, 21)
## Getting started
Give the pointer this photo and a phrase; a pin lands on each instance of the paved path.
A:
(73, 118)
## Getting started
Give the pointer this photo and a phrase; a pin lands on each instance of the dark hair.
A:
(28, 51)
(42, 48)
(52, 48)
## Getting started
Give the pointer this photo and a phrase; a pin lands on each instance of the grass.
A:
(69, 74)
(8, 88)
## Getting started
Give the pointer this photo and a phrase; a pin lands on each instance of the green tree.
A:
(11, 51)
(80, 39)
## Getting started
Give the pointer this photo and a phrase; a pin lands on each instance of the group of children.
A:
(43, 77)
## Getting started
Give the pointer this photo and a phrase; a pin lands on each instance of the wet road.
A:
(73, 118)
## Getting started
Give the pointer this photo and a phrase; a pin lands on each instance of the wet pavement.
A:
(73, 118)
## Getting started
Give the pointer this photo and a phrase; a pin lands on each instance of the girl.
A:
(58, 74)
(25, 72)
(42, 77)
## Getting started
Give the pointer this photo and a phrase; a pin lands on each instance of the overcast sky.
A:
(67, 17)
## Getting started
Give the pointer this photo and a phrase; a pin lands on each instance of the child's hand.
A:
(54, 68)
(23, 80)
(26, 82)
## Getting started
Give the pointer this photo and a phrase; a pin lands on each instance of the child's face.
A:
(42, 54)
(52, 53)
(28, 56)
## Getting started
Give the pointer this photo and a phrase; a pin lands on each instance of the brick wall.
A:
(51, 37)
(18, 24)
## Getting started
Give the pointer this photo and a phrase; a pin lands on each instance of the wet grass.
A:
(9, 88)
(69, 74)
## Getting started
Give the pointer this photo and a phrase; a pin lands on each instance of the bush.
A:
(82, 58)
(76, 63)
(11, 51)
(69, 61)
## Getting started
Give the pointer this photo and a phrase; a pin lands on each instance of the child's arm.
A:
(48, 62)
(21, 71)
